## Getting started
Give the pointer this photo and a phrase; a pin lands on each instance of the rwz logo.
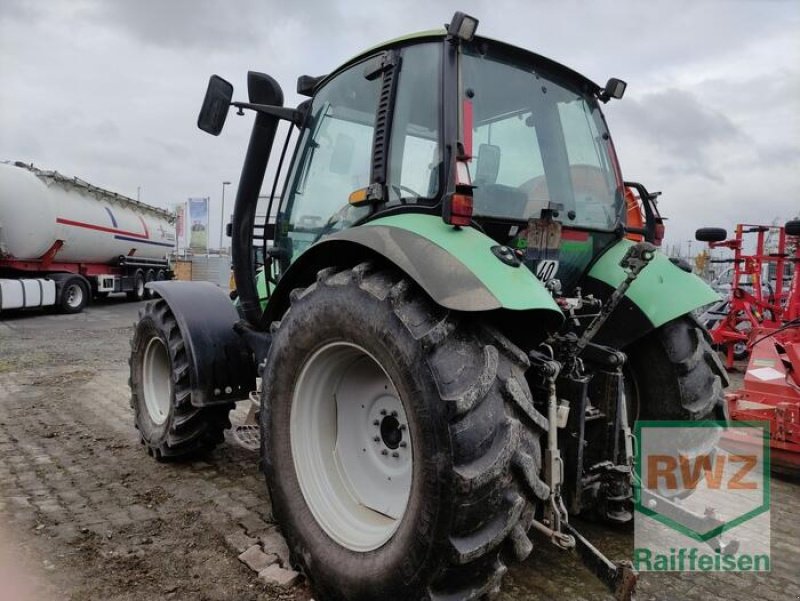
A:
(686, 473)
(701, 496)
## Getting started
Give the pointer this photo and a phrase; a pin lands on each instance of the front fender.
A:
(221, 367)
(455, 267)
(661, 293)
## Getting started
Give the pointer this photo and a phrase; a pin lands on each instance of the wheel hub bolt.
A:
(377, 438)
(394, 414)
(402, 426)
(376, 423)
(383, 411)
(395, 454)
(384, 452)
(404, 444)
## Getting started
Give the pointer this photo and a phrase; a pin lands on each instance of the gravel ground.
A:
(86, 515)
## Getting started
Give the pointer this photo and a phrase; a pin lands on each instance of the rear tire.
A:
(161, 397)
(137, 294)
(150, 277)
(472, 440)
(677, 375)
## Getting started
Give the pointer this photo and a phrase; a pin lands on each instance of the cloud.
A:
(683, 129)
(109, 90)
(181, 24)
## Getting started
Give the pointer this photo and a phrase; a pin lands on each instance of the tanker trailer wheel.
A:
(675, 374)
(150, 277)
(74, 295)
(169, 425)
(137, 294)
(399, 442)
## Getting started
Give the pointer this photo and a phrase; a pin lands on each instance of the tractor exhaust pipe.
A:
(262, 89)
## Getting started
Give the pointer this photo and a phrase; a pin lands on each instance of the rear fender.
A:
(222, 368)
(455, 267)
(662, 292)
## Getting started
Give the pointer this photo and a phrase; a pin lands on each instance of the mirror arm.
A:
(296, 116)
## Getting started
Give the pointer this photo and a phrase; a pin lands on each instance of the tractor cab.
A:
(478, 132)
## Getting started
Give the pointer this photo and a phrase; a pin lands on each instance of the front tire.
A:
(351, 343)
(169, 425)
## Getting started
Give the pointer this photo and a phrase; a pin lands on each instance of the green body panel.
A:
(662, 291)
(516, 288)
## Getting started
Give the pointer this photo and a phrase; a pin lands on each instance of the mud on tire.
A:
(169, 425)
(474, 434)
(677, 375)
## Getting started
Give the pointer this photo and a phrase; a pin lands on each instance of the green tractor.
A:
(453, 328)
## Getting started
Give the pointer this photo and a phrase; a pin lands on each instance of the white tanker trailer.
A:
(63, 241)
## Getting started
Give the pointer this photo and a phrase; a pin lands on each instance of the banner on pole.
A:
(198, 219)
(180, 224)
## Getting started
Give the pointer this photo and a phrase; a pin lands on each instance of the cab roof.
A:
(519, 54)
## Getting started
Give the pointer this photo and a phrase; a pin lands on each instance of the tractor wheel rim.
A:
(351, 446)
(157, 381)
(74, 296)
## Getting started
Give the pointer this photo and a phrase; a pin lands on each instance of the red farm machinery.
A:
(771, 333)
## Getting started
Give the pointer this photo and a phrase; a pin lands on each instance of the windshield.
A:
(537, 143)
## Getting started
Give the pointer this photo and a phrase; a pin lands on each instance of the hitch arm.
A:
(635, 260)
(619, 577)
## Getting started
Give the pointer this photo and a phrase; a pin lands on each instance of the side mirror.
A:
(711, 234)
(307, 83)
(215, 105)
(615, 88)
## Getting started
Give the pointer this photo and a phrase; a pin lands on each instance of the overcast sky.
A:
(109, 90)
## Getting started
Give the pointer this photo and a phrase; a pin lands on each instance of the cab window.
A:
(333, 160)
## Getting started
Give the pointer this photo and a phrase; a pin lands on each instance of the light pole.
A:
(222, 215)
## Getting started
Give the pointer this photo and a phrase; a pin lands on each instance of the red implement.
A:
(756, 302)
(771, 393)
(771, 389)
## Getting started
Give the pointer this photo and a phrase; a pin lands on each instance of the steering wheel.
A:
(337, 218)
(399, 188)
(588, 181)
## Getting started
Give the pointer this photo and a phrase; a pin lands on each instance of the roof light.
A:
(462, 26)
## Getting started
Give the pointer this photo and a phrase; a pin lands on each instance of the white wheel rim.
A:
(156, 381)
(74, 296)
(139, 286)
(351, 446)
